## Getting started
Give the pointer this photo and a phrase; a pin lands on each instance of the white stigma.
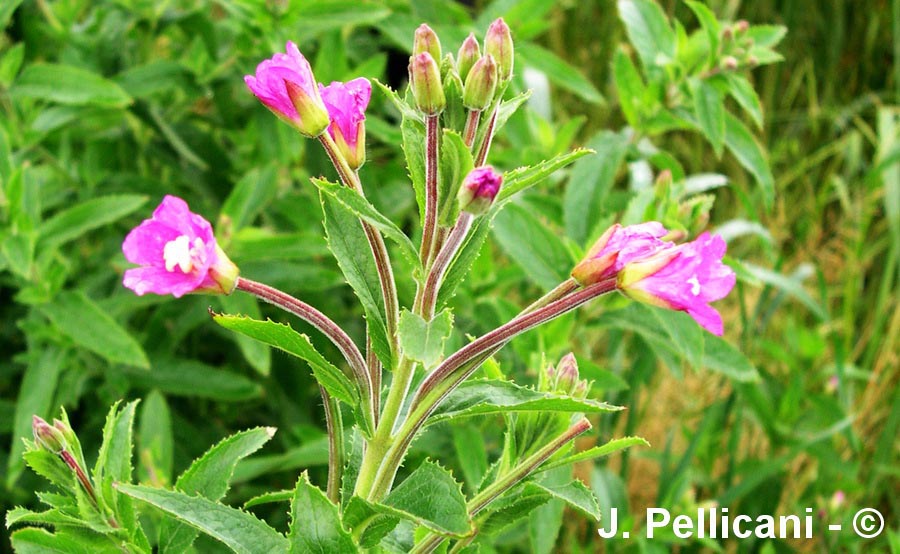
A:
(695, 284)
(182, 254)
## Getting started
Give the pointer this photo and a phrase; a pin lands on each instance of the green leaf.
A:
(422, 340)
(413, 132)
(68, 85)
(370, 522)
(535, 248)
(575, 494)
(315, 523)
(252, 193)
(240, 531)
(156, 445)
(467, 255)
(558, 71)
(283, 337)
(11, 61)
(526, 177)
(630, 86)
(323, 15)
(788, 285)
(506, 109)
(766, 36)
(511, 508)
(257, 353)
(350, 247)
(6, 10)
(720, 356)
(35, 398)
(32, 540)
(432, 495)
(471, 453)
(709, 108)
(611, 447)
(745, 95)
(407, 111)
(589, 184)
(750, 154)
(648, 30)
(361, 207)
(270, 498)
(482, 397)
(710, 26)
(73, 222)
(114, 460)
(209, 477)
(178, 377)
(90, 326)
(456, 163)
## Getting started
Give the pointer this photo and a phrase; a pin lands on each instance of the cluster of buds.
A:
(564, 378)
(482, 75)
(736, 46)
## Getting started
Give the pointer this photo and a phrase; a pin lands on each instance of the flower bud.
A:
(426, 40)
(499, 44)
(425, 80)
(617, 247)
(47, 437)
(67, 432)
(478, 190)
(481, 84)
(223, 273)
(567, 373)
(469, 53)
(741, 27)
(730, 63)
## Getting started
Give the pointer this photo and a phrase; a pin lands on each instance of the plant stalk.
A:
(471, 129)
(323, 324)
(456, 368)
(386, 280)
(442, 263)
(429, 226)
(335, 427)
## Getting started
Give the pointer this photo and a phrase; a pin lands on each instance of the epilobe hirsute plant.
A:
(381, 395)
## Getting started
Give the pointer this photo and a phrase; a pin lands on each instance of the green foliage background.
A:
(106, 106)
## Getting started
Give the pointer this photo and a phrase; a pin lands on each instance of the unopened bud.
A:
(752, 61)
(499, 43)
(567, 368)
(426, 40)
(47, 437)
(479, 189)
(425, 80)
(481, 84)
(741, 27)
(67, 432)
(727, 34)
(468, 54)
(730, 63)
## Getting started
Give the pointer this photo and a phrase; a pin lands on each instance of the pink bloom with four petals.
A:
(286, 85)
(346, 104)
(178, 254)
(686, 278)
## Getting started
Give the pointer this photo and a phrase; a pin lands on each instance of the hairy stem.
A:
(376, 242)
(456, 368)
(471, 129)
(442, 263)
(323, 324)
(508, 480)
(335, 426)
(429, 226)
(486, 144)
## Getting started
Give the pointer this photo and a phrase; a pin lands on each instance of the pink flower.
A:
(285, 84)
(686, 278)
(478, 190)
(619, 246)
(346, 104)
(177, 253)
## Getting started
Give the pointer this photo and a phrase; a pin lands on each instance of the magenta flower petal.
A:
(687, 280)
(346, 104)
(178, 254)
(619, 246)
(285, 84)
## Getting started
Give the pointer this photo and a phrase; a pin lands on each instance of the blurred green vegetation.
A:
(168, 113)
